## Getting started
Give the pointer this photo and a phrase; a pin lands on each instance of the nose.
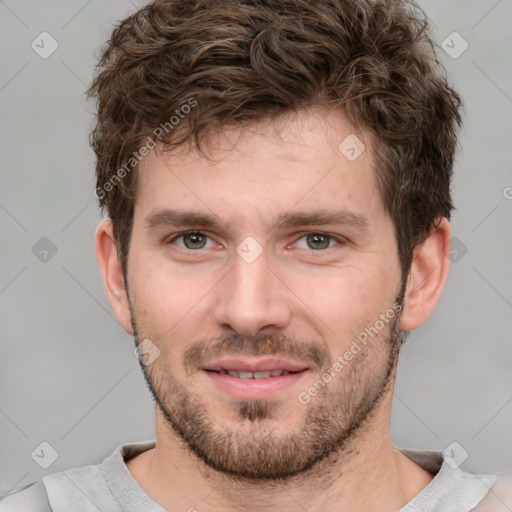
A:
(251, 298)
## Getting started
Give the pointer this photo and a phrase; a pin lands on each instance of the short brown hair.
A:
(239, 61)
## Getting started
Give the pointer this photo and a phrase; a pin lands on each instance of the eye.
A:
(192, 240)
(318, 241)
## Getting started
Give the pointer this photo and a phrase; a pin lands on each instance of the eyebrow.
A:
(185, 218)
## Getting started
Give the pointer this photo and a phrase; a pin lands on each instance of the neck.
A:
(367, 474)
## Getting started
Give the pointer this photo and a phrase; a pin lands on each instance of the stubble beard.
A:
(252, 451)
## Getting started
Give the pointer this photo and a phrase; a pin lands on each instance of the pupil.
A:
(318, 241)
(194, 241)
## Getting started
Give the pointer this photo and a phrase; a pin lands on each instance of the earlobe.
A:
(112, 273)
(427, 276)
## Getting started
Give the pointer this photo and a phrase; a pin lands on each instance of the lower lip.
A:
(254, 388)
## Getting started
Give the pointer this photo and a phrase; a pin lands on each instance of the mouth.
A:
(254, 378)
(253, 375)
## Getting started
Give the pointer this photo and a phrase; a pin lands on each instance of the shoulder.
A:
(499, 497)
(85, 489)
(31, 498)
(452, 488)
(82, 488)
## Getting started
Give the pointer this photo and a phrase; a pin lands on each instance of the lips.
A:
(254, 375)
(255, 368)
(255, 379)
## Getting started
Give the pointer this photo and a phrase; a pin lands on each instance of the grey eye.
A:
(316, 241)
(192, 241)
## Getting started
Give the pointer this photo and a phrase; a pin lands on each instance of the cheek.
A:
(346, 300)
(170, 303)
(157, 294)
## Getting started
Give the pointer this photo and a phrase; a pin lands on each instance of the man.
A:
(277, 181)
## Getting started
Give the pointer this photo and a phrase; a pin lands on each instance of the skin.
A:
(292, 301)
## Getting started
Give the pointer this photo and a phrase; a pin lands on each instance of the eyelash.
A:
(340, 241)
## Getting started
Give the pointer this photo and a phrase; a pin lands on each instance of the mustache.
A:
(311, 353)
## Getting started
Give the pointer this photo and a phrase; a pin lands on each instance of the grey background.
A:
(68, 375)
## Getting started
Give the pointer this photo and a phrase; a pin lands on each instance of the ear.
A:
(111, 270)
(427, 276)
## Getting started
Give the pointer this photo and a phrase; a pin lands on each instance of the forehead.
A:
(314, 158)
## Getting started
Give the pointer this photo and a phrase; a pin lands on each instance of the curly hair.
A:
(210, 63)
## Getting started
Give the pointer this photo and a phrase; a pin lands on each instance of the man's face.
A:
(298, 260)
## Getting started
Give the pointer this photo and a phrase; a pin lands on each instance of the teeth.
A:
(254, 375)
(261, 375)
